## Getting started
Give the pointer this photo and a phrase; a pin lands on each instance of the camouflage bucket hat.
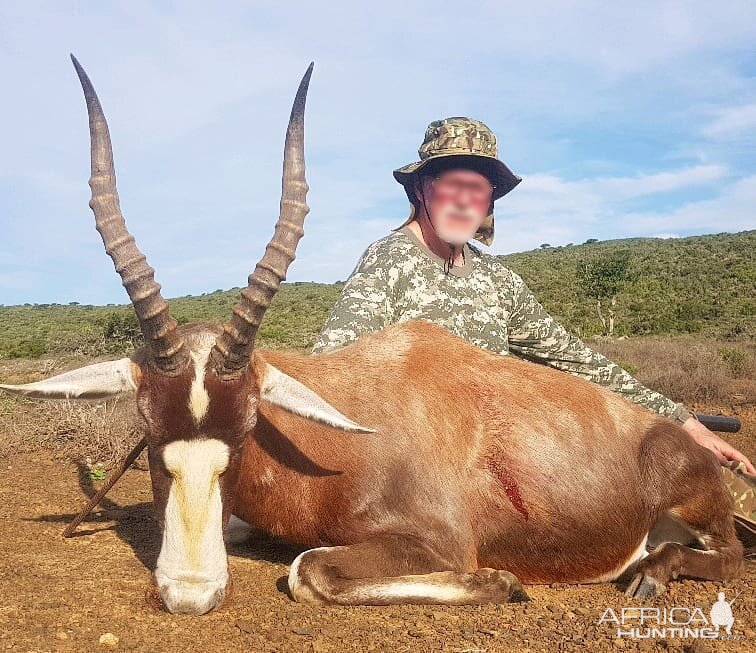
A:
(470, 143)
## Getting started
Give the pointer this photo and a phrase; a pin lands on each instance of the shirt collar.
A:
(457, 270)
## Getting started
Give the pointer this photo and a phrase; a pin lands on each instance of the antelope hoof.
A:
(644, 586)
(495, 586)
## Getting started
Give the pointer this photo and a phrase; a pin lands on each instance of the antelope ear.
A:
(94, 381)
(282, 390)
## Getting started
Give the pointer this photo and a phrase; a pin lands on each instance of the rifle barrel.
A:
(719, 422)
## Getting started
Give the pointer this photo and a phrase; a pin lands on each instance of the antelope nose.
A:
(191, 596)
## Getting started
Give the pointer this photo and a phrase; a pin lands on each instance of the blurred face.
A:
(457, 201)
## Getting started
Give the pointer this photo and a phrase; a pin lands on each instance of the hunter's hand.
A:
(713, 442)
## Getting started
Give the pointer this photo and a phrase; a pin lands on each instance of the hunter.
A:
(426, 269)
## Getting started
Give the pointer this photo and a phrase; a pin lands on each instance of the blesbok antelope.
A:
(462, 473)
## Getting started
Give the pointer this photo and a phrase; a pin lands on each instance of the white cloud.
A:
(732, 121)
(590, 96)
(556, 211)
(731, 210)
(660, 182)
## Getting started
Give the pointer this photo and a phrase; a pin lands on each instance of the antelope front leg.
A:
(394, 569)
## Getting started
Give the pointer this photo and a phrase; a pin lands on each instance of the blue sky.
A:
(622, 122)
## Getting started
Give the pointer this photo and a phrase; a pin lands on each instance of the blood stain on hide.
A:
(507, 481)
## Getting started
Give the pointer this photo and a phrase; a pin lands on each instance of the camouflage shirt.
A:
(398, 278)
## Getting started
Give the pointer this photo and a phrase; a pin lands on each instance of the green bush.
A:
(701, 284)
(734, 358)
(33, 348)
(121, 331)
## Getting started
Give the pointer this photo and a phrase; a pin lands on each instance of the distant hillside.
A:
(700, 284)
(293, 320)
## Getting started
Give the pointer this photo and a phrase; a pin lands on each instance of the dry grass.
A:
(689, 369)
(699, 372)
(102, 431)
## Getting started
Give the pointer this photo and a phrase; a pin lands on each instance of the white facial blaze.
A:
(192, 569)
(199, 400)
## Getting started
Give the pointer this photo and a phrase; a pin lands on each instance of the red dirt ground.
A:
(63, 595)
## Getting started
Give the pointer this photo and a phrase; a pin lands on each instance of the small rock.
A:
(698, 646)
(108, 640)
(619, 643)
(245, 626)
(302, 631)
(61, 635)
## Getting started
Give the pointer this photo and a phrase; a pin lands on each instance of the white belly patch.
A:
(638, 554)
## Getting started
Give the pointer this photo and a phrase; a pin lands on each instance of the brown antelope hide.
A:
(420, 468)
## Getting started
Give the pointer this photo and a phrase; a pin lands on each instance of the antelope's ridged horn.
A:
(232, 350)
(167, 348)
